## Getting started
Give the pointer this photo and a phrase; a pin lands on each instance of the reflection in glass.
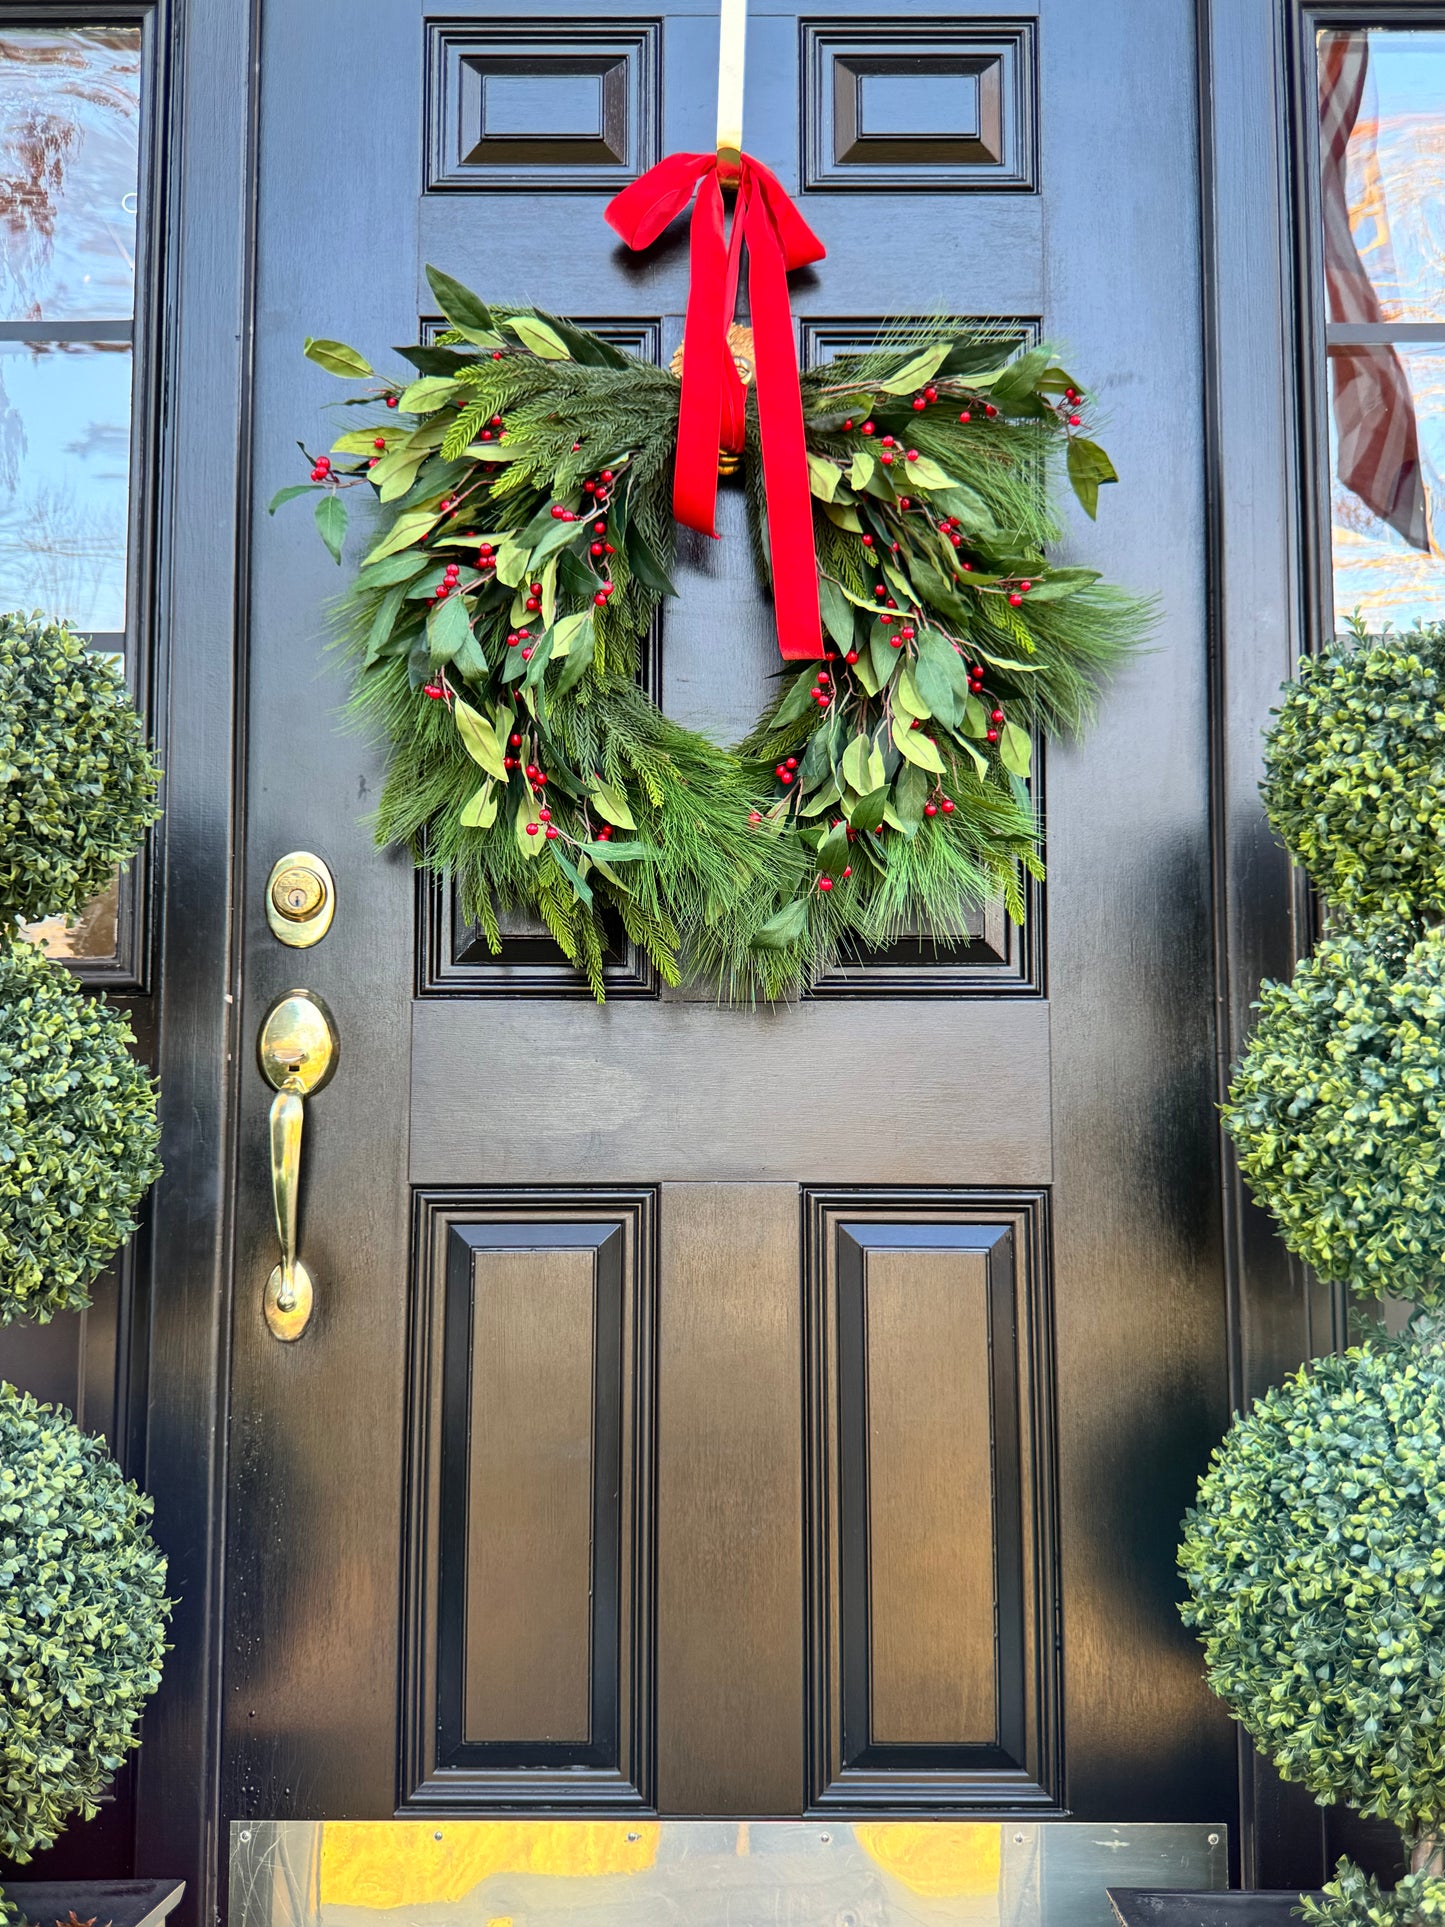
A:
(1387, 496)
(92, 936)
(69, 154)
(1382, 168)
(65, 479)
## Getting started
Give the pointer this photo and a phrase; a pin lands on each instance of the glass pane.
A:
(69, 156)
(1387, 496)
(1382, 174)
(65, 479)
(91, 938)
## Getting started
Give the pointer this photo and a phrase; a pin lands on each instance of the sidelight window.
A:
(71, 124)
(1379, 245)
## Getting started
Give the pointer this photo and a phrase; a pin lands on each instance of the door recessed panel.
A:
(925, 106)
(548, 104)
(930, 1484)
(528, 1672)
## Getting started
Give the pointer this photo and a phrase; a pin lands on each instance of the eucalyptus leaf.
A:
(337, 359)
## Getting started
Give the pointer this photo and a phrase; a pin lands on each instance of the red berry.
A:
(852, 656)
(930, 394)
(886, 618)
(947, 806)
(532, 829)
(786, 777)
(965, 416)
(496, 354)
(993, 735)
(930, 809)
(557, 511)
(551, 829)
(755, 816)
(509, 762)
(887, 460)
(589, 488)
(605, 476)
(879, 590)
(540, 780)
(867, 428)
(391, 401)
(534, 603)
(1074, 420)
(989, 410)
(513, 641)
(515, 740)
(594, 548)
(544, 816)
(912, 455)
(822, 678)
(524, 633)
(790, 762)
(600, 600)
(867, 541)
(599, 528)
(1014, 599)
(1024, 587)
(380, 442)
(897, 642)
(957, 541)
(485, 436)
(889, 442)
(526, 655)
(919, 402)
(996, 716)
(849, 871)
(825, 883)
(846, 426)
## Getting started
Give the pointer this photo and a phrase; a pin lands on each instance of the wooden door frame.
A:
(1258, 551)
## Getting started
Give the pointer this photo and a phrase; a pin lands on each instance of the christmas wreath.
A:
(525, 479)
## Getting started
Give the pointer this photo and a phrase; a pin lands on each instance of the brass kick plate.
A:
(300, 899)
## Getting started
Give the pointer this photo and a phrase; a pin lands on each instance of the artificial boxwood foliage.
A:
(1356, 1899)
(1315, 1561)
(1338, 1110)
(82, 1620)
(77, 782)
(78, 1135)
(1355, 772)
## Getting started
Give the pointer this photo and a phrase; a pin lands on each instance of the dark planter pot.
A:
(109, 1903)
(1161, 1907)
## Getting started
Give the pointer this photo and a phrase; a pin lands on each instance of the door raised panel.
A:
(562, 105)
(930, 1504)
(530, 1574)
(932, 105)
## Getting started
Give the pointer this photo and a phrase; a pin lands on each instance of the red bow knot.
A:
(711, 412)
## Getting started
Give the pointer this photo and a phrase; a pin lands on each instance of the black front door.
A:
(659, 1443)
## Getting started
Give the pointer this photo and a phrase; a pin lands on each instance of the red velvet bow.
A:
(711, 411)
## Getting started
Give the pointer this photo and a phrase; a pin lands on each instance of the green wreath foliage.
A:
(1315, 1563)
(82, 1621)
(1337, 1109)
(78, 1136)
(526, 535)
(1356, 1899)
(1355, 772)
(77, 782)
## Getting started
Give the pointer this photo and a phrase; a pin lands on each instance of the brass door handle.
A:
(298, 1049)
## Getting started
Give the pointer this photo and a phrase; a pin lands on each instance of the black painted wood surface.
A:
(503, 1099)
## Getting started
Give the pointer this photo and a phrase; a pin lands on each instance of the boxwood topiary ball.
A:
(1338, 1110)
(1355, 772)
(82, 1620)
(78, 1136)
(1315, 1560)
(77, 782)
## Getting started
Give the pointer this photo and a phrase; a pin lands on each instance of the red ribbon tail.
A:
(694, 483)
(785, 450)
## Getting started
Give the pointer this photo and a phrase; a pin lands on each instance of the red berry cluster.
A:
(1069, 407)
(438, 691)
(786, 771)
(321, 468)
(495, 431)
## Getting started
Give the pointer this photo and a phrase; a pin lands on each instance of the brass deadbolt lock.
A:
(300, 899)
